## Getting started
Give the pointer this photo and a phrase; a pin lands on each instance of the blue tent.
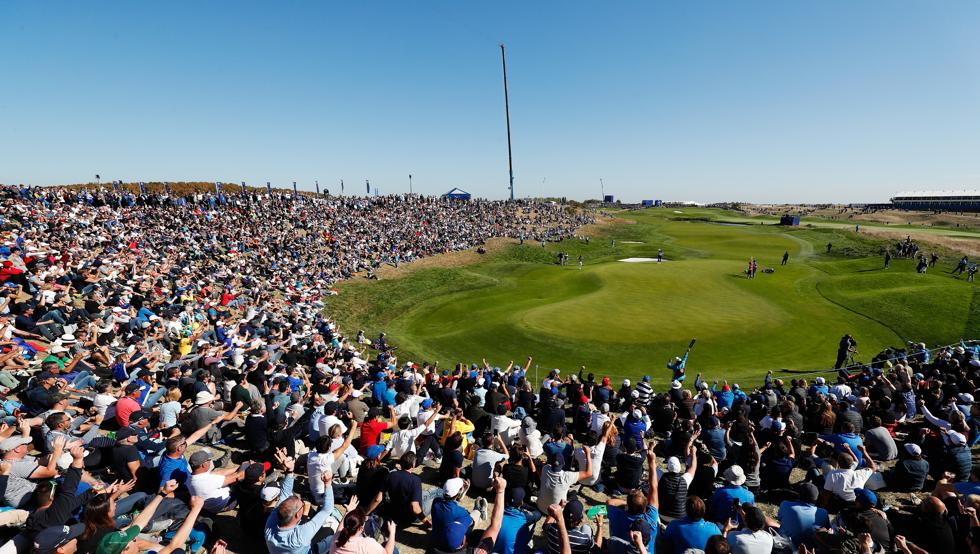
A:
(457, 194)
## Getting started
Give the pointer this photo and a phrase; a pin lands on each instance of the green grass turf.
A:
(626, 320)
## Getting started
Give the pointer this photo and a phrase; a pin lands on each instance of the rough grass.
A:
(626, 320)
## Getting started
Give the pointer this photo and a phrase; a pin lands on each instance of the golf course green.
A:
(628, 319)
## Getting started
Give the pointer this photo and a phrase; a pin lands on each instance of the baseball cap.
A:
(52, 538)
(675, 384)
(199, 458)
(778, 425)
(808, 492)
(132, 387)
(646, 378)
(427, 403)
(573, 511)
(13, 442)
(965, 398)
(254, 471)
(374, 452)
(673, 465)
(911, 448)
(269, 494)
(517, 496)
(866, 496)
(453, 486)
(355, 393)
(125, 433)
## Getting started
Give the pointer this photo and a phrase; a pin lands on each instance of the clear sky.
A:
(708, 101)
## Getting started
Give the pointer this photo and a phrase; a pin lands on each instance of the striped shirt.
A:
(646, 391)
(579, 538)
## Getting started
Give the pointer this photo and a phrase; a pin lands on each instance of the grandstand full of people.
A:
(170, 383)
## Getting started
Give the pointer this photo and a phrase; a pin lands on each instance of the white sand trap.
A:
(639, 260)
(631, 242)
(678, 212)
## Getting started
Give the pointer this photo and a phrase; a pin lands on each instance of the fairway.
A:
(627, 319)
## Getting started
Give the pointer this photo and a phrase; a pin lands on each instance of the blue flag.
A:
(341, 186)
(368, 185)
(317, 187)
(142, 187)
(294, 189)
(268, 187)
(115, 185)
(217, 187)
(243, 187)
(166, 187)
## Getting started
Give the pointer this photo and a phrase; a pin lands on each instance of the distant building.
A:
(944, 201)
(457, 194)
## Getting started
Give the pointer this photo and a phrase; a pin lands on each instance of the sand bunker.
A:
(639, 260)
(631, 242)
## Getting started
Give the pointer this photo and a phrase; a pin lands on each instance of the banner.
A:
(317, 187)
(166, 187)
(142, 187)
(217, 187)
(115, 185)
(341, 186)
(243, 188)
(268, 187)
(294, 189)
(368, 185)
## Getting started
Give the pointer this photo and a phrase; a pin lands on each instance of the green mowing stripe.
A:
(852, 310)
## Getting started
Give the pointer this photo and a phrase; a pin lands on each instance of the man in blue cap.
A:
(517, 525)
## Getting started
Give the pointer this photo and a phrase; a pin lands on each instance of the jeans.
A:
(154, 397)
(84, 380)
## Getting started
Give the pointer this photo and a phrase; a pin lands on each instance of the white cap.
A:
(673, 465)
(270, 493)
(626, 382)
(453, 486)
(355, 393)
(913, 449)
(203, 397)
(637, 414)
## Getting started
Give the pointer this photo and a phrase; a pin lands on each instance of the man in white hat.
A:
(202, 413)
(720, 505)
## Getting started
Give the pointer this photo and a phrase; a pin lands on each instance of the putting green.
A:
(627, 319)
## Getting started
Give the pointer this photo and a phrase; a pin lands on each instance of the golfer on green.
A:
(677, 364)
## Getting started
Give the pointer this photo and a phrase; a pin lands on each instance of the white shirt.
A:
(598, 420)
(533, 443)
(554, 486)
(316, 464)
(483, 463)
(596, 451)
(842, 482)
(424, 416)
(211, 487)
(403, 441)
(506, 426)
(751, 542)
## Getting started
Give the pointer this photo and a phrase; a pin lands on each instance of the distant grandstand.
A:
(942, 201)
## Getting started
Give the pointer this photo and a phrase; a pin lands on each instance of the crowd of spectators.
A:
(166, 364)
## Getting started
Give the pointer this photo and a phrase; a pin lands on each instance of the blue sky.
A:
(708, 101)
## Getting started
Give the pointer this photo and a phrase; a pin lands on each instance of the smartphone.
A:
(597, 510)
